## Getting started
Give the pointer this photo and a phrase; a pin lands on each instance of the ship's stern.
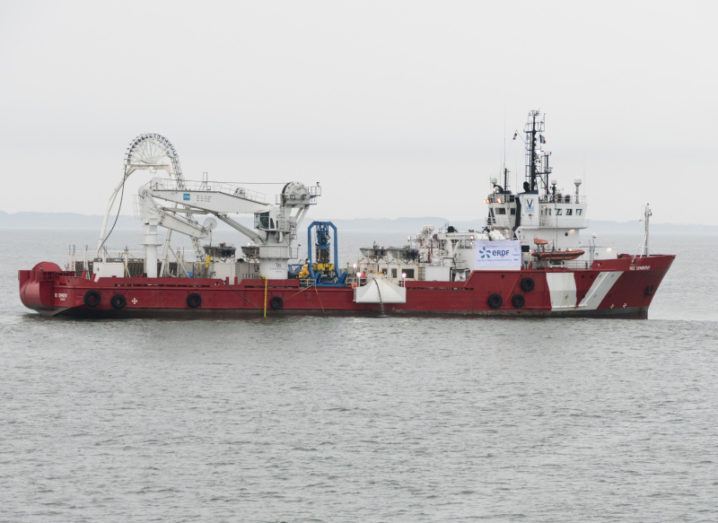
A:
(37, 287)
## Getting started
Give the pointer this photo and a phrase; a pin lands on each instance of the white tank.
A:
(273, 269)
(273, 261)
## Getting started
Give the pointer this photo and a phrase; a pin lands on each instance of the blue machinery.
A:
(324, 270)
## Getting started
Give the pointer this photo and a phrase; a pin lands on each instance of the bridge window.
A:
(500, 210)
(579, 212)
(559, 212)
(409, 273)
(569, 212)
(513, 211)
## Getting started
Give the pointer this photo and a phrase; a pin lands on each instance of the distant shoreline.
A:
(410, 225)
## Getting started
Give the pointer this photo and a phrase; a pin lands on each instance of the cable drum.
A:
(148, 151)
(152, 151)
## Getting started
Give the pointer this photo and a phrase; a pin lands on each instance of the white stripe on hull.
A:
(562, 290)
(601, 286)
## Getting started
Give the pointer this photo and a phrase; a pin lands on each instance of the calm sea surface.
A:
(361, 419)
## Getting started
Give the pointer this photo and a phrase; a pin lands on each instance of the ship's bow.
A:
(635, 289)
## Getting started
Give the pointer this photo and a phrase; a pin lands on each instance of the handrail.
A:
(228, 188)
(545, 198)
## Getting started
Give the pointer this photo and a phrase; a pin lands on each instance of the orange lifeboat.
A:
(568, 254)
(553, 254)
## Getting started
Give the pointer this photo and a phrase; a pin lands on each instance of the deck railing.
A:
(228, 188)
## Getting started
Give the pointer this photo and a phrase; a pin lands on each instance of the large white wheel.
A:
(149, 151)
(152, 151)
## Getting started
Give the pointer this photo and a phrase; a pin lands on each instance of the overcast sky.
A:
(397, 108)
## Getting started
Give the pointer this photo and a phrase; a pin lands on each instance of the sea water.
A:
(361, 419)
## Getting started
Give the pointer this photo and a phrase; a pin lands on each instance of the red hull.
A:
(621, 287)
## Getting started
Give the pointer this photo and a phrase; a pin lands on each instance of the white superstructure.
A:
(542, 221)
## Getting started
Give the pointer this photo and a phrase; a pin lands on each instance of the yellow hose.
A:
(266, 290)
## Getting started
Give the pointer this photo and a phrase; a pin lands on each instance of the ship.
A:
(527, 260)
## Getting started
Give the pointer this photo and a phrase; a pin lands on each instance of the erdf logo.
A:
(486, 254)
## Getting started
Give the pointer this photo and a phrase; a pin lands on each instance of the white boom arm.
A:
(275, 225)
(213, 197)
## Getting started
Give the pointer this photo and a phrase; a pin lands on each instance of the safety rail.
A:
(349, 282)
(562, 264)
(228, 188)
(501, 198)
(353, 281)
(563, 198)
(119, 255)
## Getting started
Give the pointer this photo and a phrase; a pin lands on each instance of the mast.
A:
(646, 219)
(537, 161)
(531, 150)
(503, 161)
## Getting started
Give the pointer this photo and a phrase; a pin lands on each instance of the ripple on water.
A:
(311, 419)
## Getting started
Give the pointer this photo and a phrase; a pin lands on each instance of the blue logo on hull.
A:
(485, 253)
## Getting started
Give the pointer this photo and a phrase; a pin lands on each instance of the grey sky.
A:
(398, 108)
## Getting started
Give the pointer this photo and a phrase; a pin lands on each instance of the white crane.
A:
(173, 203)
(275, 226)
